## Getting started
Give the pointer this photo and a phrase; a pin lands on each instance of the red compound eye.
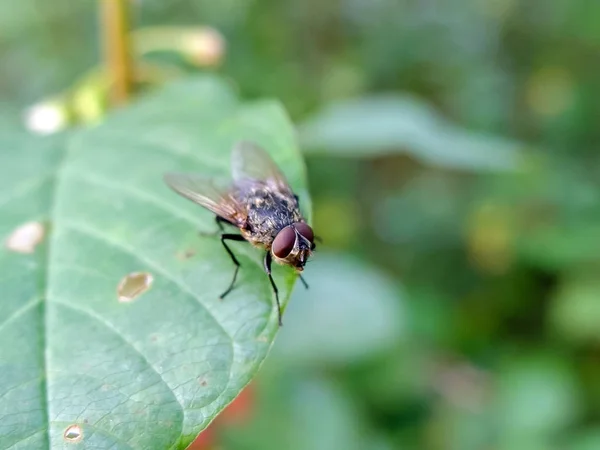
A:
(305, 230)
(284, 242)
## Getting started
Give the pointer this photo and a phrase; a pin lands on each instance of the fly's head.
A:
(293, 245)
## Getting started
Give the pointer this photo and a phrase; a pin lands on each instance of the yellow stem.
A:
(117, 48)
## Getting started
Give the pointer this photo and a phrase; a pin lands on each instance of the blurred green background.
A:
(452, 152)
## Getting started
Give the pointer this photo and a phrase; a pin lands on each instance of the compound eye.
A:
(305, 230)
(284, 242)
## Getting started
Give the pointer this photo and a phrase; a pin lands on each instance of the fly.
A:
(260, 203)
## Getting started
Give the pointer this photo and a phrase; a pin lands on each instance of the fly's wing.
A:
(251, 164)
(206, 192)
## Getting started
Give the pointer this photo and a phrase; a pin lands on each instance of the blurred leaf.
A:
(536, 396)
(528, 443)
(300, 413)
(562, 245)
(11, 119)
(350, 312)
(395, 381)
(453, 428)
(432, 314)
(335, 218)
(337, 424)
(145, 371)
(427, 212)
(575, 311)
(18, 18)
(390, 124)
(39, 53)
(587, 440)
(490, 236)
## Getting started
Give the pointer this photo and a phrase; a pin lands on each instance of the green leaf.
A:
(575, 310)
(537, 394)
(388, 124)
(559, 246)
(154, 371)
(588, 439)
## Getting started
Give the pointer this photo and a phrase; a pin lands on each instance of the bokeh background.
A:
(452, 148)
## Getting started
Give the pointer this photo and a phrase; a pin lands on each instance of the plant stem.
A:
(117, 48)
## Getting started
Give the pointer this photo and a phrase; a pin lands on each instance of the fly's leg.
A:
(220, 221)
(231, 237)
(304, 282)
(267, 265)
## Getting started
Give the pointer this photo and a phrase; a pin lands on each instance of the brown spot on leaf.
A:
(186, 254)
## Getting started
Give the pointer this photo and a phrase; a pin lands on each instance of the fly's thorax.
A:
(268, 212)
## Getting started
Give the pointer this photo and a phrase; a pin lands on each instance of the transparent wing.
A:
(207, 192)
(250, 163)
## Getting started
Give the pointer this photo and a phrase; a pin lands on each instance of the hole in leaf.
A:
(73, 433)
(134, 285)
(25, 238)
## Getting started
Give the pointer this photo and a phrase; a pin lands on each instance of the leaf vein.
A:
(137, 193)
(24, 188)
(121, 336)
(19, 312)
(98, 235)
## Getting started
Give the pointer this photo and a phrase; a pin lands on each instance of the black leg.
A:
(304, 282)
(267, 264)
(220, 221)
(231, 237)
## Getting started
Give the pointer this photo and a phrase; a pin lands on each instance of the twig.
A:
(117, 48)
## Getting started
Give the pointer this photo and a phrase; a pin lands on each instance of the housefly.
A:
(260, 203)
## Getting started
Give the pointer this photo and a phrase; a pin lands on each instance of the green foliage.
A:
(150, 372)
(352, 311)
(389, 124)
(311, 413)
(361, 321)
(536, 395)
(575, 311)
(452, 148)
